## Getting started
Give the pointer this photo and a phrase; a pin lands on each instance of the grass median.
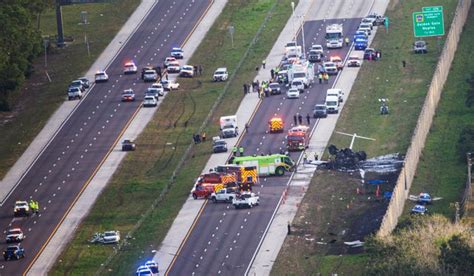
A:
(406, 88)
(39, 98)
(145, 174)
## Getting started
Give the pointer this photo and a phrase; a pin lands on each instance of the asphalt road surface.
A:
(70, 160)
(224, 239)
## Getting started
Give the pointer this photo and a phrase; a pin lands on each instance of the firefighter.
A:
(241, 151)
(234, 150)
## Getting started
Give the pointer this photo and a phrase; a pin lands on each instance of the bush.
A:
(466, 142)
(429, 246)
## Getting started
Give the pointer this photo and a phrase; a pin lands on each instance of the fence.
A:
(404, 181)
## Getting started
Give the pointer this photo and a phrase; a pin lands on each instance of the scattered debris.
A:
(354, 244)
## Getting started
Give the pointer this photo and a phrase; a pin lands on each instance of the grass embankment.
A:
(39, 98)
(145, 173)
(406, 88)
(442, 170)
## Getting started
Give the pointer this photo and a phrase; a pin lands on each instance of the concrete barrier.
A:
(405, 179)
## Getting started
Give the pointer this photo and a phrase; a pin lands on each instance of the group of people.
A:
(34, 206)
(305, 157)
(199, 138)
(198, 69)
(298, 119)
(239, 150)
(323, 76)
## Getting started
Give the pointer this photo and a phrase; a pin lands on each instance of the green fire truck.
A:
(275, 164)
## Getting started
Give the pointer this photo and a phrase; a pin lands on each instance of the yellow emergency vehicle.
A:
(275, 124)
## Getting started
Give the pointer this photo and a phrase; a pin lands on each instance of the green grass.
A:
(145, 173)
(406, 90)
(39, 98)
(442, 170)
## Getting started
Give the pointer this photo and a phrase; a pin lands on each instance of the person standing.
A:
(300, 119)
(347, 41)
(320, 77)
(326, 77)
(245, 89)
(37, 206)
(203, 135)
(200, 69)
(234, 150)
(272, 73)
(308, 118)
(295, 119)
(305, 157)
(241, 151)
(263, 63)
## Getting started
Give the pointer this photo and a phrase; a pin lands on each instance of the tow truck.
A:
(275, 125)
(298, 138)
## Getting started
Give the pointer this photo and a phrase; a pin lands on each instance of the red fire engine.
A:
(298, 138)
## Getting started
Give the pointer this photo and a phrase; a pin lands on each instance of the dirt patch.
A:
(337, 208)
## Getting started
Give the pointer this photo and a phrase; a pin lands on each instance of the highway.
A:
(68, 163)
(223, 239)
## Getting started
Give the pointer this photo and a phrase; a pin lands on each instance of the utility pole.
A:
(59, 23)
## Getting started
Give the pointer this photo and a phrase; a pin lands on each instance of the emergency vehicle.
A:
(238, 178)
(275, 125)
(334, 36)
(298, 138)
(274, 164)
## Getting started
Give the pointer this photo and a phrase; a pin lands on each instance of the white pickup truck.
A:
(223, 195)
(246, 200)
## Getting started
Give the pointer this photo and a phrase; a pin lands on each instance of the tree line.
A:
(20, 43)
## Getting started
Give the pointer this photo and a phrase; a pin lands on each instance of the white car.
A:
(298, 84)
(168, 60)
(101, 76)
(220, 74)
(169, 85)
(15, 235)
(368, 20)
(111, 237)
(151, 91)
(318, 48)
(177, 53)
(150, 101)
(366, 26)
(187, 71)
(353, 61)
(366, 31)
(293, 93)
(330, 68)
(173, 67)
(21, 208)
(130, 68)
(150, 75)
(246, 199)
(159, 86)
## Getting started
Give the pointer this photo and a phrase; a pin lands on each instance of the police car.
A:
(130, 68)
(21, 208)
(177, 53)
(419, 210)
(101, 76)
(14, 235)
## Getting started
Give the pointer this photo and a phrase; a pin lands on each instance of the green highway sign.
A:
(428, 23)
(432, 9)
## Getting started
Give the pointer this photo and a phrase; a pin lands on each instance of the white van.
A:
(335, 92)
(332, 103)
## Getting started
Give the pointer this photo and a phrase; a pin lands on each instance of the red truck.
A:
(228, 176)
(298, 138)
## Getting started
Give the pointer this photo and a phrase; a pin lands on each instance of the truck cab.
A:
(228, 126)
(332, 103)
(246, 200)
(223, 195)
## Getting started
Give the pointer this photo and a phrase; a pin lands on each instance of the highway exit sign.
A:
(430, 22)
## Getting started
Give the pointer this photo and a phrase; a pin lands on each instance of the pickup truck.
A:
(223, 195)
(246, 200)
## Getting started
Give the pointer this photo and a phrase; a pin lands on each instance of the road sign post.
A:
(386, 22)
(429, 23)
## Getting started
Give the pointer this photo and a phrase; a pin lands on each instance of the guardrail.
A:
(405, 179)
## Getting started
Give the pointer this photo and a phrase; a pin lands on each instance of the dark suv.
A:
(320, 111)
(14, 252)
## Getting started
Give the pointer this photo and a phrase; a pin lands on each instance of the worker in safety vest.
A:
(234, 150)
(241, 151)
(32, 205)
(37, 207)
(347, 41)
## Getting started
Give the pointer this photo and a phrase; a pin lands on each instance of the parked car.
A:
(101, 76)
(79, 84)
(14, 252)
(220, 74)
(330, 68)
(128, 145)
(293, 93)
(74, 93)
(274, 88)
(173, 67)
(317, 48)
(85, 82)
(159, 87)
(177, 53)
(169, 85)
(419, 210)
(168, 60)
(314, 56)
(219, 145)
(150, 101)
(353, 61)
(130, 68)
(14, 235)
(150, 75)
(320, 111)
(419, 47)
(128, 95)
(338, 61)
(21, 208)
(151, 91)
(369, 53)
(187, 71)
